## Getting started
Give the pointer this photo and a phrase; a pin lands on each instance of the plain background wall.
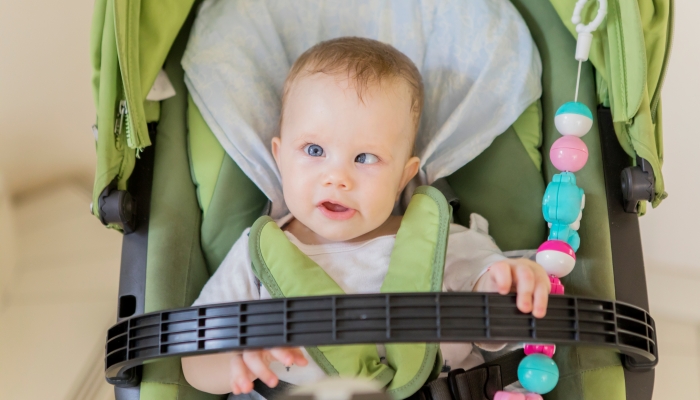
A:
(47, 163)
(671, 233)
(46, 108)
(7, 242)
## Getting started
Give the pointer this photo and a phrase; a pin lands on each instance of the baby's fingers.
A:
(501, 274)
(525, 286)
(542, 289)
(241, 379)
(289, 356)
(259, 365)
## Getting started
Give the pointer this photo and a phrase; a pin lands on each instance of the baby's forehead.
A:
(395, 87)
(325, 106)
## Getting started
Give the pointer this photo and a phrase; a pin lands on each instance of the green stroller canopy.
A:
(131, 40)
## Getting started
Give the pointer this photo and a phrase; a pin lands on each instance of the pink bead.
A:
(569, 153)
(556, 257)
(558, 245)
(501, 395)
(533, 396)
(546, 349)
(557, 287)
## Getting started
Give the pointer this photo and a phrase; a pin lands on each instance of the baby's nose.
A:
(339, 179)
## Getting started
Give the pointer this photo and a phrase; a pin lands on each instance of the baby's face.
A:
(344, 161)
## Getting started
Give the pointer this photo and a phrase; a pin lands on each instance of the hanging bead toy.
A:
(562, 207)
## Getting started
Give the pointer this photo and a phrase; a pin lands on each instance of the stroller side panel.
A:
(585, 373)
(230, 201)
(115, 161)
(632, 66)
(504, 186)
(176, 269)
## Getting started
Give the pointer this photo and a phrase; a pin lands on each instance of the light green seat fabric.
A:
(504, 184)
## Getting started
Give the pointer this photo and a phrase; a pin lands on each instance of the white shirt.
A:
(360, 267)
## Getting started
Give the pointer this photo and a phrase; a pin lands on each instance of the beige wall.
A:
(7, 242)
(671, 233)
(46, 108)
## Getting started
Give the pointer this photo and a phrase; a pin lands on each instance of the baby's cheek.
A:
(381, 205)
(297, 195)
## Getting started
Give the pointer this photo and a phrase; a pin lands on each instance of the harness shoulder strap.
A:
(416, 265)
(287, 272)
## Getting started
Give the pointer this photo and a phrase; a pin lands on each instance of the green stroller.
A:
(181, 201)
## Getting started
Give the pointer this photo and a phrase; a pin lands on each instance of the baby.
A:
(350, 113)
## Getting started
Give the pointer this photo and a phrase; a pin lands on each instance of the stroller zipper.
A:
(119, 122)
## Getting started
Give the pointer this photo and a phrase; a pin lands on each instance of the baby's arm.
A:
(528, 279)
(235, 371)
(474, 263)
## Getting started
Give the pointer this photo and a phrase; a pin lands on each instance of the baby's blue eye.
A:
(313, 150)
(366, 158)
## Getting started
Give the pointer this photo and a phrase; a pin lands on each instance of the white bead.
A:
(573, 124)
(555, 262)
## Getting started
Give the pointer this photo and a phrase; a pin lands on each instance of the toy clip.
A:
(585, 32)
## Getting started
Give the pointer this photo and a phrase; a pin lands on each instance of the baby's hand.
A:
(528, 279)
(255, 364)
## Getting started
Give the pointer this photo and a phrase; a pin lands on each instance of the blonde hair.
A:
(366, 61)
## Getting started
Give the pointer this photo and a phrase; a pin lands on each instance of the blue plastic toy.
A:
(561, 207)
(565, 233)
(562, 200)
(538, 373)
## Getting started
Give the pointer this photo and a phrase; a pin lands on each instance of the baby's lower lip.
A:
(335, 211)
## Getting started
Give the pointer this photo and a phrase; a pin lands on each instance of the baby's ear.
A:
(275, 146)
(409, 171)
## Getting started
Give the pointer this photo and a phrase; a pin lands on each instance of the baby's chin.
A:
(340, 231)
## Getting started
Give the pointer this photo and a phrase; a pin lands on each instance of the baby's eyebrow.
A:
(307, 137)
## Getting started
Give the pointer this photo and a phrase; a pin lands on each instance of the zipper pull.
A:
(119, 123)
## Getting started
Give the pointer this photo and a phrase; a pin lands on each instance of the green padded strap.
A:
(286, 272)
(420, 242)
(416, 264)
(273, 255)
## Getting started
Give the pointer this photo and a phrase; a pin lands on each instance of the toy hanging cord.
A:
(578, 80)
(585, 34)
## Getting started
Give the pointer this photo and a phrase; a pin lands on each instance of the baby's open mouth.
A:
(334, 207)
(335, 211)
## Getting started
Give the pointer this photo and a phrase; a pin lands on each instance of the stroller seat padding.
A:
(202, 201)
(480, 67)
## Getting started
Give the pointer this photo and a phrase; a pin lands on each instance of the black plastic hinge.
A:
(117, 207)
(637, 185)
(126, 379)
(633, 365)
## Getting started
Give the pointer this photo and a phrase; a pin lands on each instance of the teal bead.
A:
(573, 119)
(538, 373)
(573, 107)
